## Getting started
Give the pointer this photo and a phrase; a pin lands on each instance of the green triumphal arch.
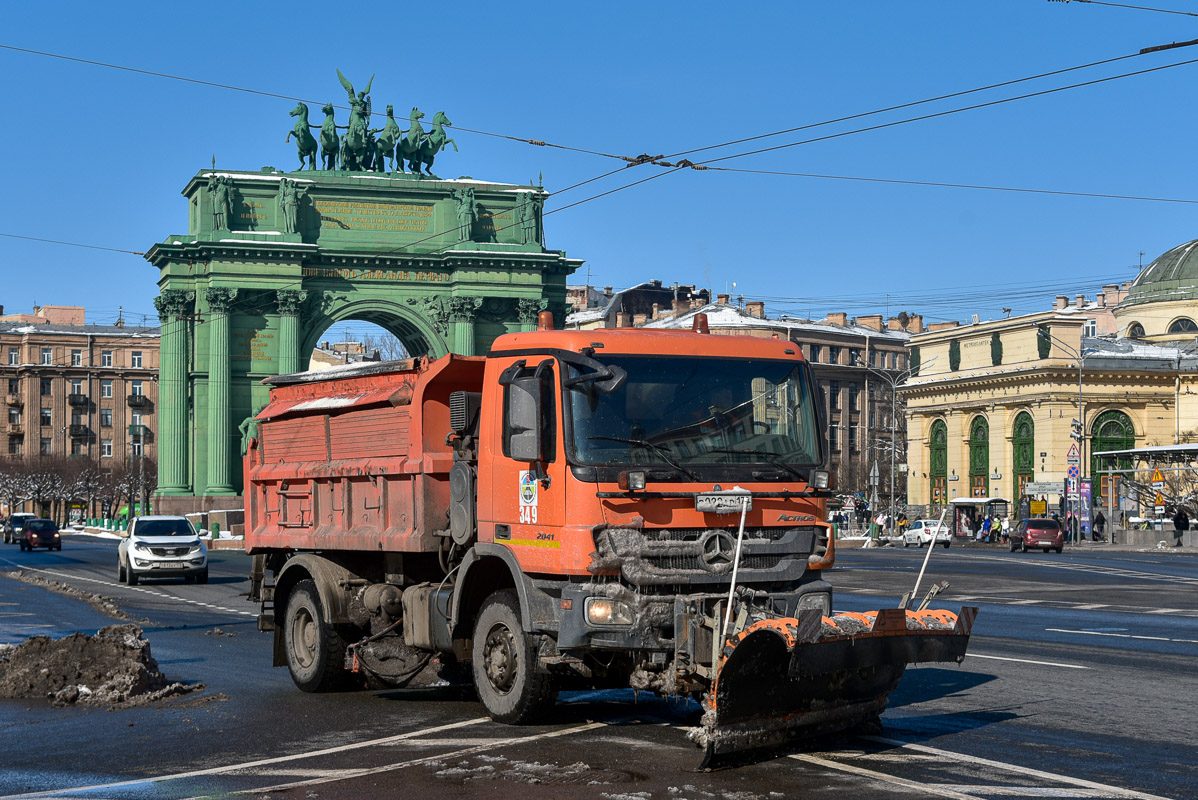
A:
(272, 259)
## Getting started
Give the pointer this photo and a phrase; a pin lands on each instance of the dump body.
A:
(578, 508)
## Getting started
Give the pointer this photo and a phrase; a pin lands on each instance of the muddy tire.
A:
(202, 577)
(505, 664)
(315, 651)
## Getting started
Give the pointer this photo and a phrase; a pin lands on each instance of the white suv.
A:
(161, 547)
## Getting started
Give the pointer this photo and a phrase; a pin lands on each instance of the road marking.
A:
(1093, 606)
(1110, 791)
(415, 762)
(1124, 636)
(251, 764)
(141, 589)
(1163, 611)
(1027, 661)
(1022, 602)
(923, 788)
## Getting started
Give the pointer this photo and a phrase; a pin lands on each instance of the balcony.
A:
(77, 400)
(138, 401)
(15, 429)
(78, 430)
(138, 430)
(15, 400)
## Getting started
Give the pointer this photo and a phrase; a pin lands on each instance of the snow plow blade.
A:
(784, 679)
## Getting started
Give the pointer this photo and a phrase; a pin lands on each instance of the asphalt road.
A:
(1079, 683)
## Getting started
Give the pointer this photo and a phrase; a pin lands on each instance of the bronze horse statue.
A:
(304, 142)
(419, 148)
(330, 143)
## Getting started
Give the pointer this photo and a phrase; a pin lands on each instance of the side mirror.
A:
(524, 419)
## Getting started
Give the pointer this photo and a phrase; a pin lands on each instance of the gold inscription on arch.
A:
(352, 215)
(418, 276)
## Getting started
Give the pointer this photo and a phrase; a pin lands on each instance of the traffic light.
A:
(1075, 430)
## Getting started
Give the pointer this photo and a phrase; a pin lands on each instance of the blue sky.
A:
(99, 156)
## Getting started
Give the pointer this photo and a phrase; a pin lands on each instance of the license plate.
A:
(170, 565)
(723, 503)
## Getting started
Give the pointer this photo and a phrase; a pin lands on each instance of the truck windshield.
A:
(696, 411)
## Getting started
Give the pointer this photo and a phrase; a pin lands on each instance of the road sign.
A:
(1073, 471)
(873, 474)
(1044, 487)
(1073, 450)
(1158, 480)
(1160, 503)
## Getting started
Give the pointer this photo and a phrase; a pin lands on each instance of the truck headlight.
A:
(604, 611)
(819, 478)
(816, 601)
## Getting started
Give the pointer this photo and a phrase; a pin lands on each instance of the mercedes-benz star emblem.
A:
(717, 551)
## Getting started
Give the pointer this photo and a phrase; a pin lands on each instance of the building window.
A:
(46, 419)
(106, 448)
(44, 448)
(814, 354)
(76, 418)
(854, 356)
(105, 358)
(46, 387)
(834, 394)
(938, 462)
(1090, 328)
(14, 356)
(135, 358)
(76, 447)
(76, 386)
(853, 438)
(979, 458)
(853, 397)
(135, 418)
(14, 445)
(1134, 331)
(105, 417)
(1183, 325)
(137, 447)
(834, 436)
(873, 419)
(106, 388)
(14, 385)
(134, 387)
(76, 358)
(14, 416)
(47, 356)
(833, 355)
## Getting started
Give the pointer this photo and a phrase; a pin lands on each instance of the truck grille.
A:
(704, 556)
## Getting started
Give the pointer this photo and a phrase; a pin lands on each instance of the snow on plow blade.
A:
(782, 679)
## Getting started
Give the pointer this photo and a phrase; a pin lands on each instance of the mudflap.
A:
(784, 679)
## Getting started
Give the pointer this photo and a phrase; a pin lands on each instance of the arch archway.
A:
(418, 333)
(979, 457)
(938, 462)
(1023, 444)
(1112, 430)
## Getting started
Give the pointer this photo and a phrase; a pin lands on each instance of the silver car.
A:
(920, 533)
(161, 547)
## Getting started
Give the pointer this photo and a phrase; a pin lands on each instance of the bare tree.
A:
(388, 346)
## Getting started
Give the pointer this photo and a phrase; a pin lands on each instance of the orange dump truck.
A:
(608, 508)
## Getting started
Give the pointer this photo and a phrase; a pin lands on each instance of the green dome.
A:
(1173, 276)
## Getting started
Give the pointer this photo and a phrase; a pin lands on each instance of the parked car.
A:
(40, 533)
(15, 527)
(920, 533)
(161, 547)
(1039, 532)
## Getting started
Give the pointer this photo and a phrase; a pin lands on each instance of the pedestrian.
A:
(986, 526)
(1073, 527)
(1006, 529)
(1181, 520)
(1099, 527)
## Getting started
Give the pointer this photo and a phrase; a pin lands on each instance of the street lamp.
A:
(894, 378)
(1078, 431)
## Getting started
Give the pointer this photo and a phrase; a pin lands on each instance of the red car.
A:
(1039, 532)
(41, 533)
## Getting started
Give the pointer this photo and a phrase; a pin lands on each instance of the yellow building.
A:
(994, 403)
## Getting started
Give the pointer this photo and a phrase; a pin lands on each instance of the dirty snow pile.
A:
(114, 667)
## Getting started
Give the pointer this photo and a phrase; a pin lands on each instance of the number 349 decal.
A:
(528, 515)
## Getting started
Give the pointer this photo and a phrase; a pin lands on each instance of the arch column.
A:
(527, 310)
(220, 301)
(462, 311)
(290, 302)
(174, 308)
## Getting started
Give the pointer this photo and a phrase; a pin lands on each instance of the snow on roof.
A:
(728, 316)
(131, 331)
(342, 371)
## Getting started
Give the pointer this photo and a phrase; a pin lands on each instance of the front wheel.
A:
(202, 577)
(315, 652)
(120, 572)
(505, 664)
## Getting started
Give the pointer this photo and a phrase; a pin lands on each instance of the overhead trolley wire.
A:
(1134, 8)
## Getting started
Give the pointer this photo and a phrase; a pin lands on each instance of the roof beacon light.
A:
(700, 324)
(545, 321)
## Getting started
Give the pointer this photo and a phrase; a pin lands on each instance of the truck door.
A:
(528, 498)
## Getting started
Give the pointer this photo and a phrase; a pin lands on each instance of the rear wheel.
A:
(315, 651)
(1023, 548)
(946, 544)
(505, 664)
(1060, 549)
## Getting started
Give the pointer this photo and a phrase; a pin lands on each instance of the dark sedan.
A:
(41, 533)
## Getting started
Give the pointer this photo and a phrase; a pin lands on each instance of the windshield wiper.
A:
(665, 453)
(773, 458)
